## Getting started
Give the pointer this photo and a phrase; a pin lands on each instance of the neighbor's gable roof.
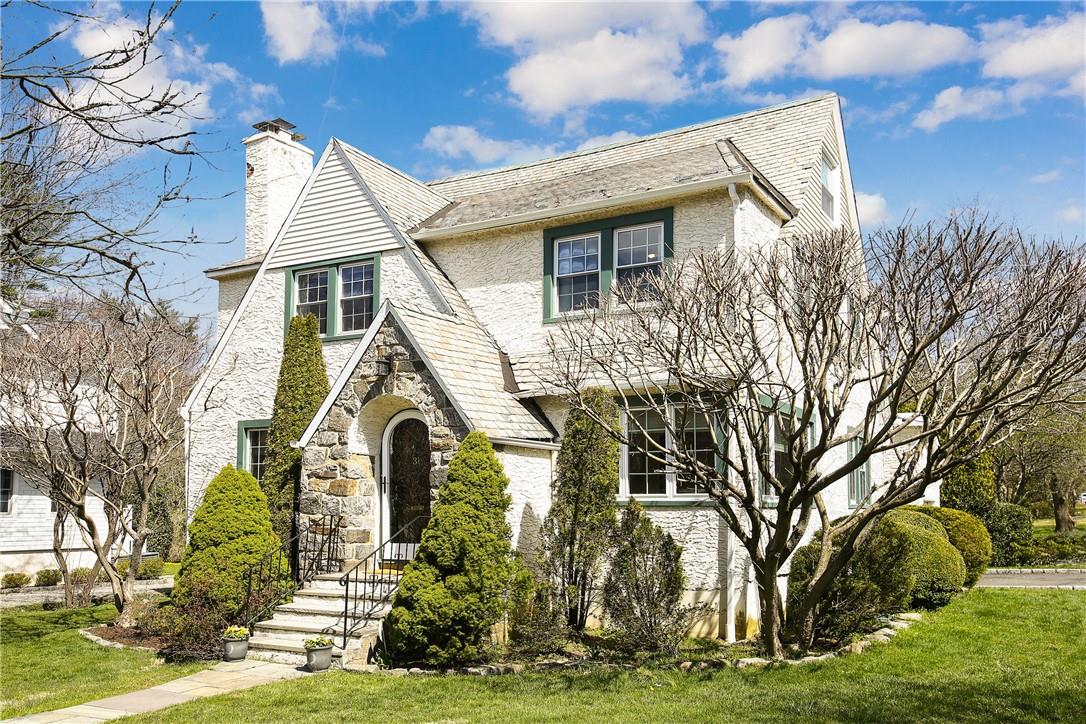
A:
(467, 365)
(783, 143)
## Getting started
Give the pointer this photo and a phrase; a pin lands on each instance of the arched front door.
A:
(405, 482)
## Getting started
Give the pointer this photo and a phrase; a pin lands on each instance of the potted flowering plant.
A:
(318, 653)
(235, 643)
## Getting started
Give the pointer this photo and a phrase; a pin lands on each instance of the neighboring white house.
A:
(27, 514)
(436, 301)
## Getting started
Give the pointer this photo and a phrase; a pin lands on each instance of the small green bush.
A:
(15, 580)
(150, 568)
(47, 577)
(230, 531)
(644, 586)
(81, 576)
(971, 487)
(122, 567)
(914, 516)
(460, 582)
(937, 567)
(1011, 529)
(1057, 548)
(967, 533)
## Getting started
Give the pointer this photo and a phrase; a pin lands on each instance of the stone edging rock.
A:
(1027, 571)
(899, 622)
(85, 633)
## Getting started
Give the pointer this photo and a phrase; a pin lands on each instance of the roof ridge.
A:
(406, 176)
(630, 142)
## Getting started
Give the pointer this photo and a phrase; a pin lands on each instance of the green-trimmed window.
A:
(642, 476)
(859, 480)
(583, 261)
(342, 295)
(253, 446)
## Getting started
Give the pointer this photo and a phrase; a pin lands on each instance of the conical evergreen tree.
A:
(458, 585)
(303, 385)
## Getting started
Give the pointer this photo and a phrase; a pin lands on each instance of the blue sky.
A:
(945, 103)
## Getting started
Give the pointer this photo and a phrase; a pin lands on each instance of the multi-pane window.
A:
(859, 480)
(780, 462)
(578, 272)
(648, 432)
(639, 253)
(312, 296)
(830, 188)
(257, 450)
(355, 297)
(7, 489)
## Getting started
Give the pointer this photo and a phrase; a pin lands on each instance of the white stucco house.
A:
(435, 302)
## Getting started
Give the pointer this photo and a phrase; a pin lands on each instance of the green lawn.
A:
(991, 655)
(170, 569)
(45, 664)
(1045, 527)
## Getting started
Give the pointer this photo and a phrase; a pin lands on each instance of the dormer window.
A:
(830, 188)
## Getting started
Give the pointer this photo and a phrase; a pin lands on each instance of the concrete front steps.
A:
(318, 609)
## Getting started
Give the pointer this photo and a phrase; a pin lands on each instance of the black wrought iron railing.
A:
(370, 584)
(315, 548)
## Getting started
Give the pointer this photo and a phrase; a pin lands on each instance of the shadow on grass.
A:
(31, 623)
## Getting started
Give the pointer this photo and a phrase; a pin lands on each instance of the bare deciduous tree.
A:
(89, 411)
(85, 170)
(773, 374)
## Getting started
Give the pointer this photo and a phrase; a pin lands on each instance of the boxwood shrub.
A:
(1011, 529)
(967, 533)
(47, 577)
(15, 580)
(937, 567)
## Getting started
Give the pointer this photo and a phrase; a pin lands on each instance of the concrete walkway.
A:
(1073, 579)
(222, 679)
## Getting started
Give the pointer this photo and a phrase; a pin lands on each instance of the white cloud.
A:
(366, 47)
(900, 48)
(1047, 177)
(464, 143)
(872, 209)
(980, 102)
(1072, 214)
(574, 55)
(762, 51)
(791, 45)
(298, 31)
(606, 140)
(1054, 48)
(608, 66)
(772, 98)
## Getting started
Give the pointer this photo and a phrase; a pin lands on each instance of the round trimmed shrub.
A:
(458, 586)
(230, 532)
(15, 580)
(47, 577)
(914, 516)
(150, 568)
(967, 533)
(937, 567)
(1011, 529)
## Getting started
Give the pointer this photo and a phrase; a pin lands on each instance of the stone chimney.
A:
(276, 169)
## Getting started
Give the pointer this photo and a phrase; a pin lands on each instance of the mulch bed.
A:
(128, 637)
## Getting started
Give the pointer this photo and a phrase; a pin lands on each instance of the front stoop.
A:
(318, 609)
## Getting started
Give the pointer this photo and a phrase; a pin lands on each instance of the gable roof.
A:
(783, 142)
(687, 170)
(407, 200)
(467, 365)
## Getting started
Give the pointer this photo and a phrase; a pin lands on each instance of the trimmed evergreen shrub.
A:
(582, 518)
(967, 533)
(230, 531)
(936, 566)
(877, 581)
(15, 580)
(122, 567)
(971, 487)
(644, 586)
(81, 575)
(302, 387)
(150, 568)
(48, 577)
(913, 516)
(1011, 529)
(460, 582)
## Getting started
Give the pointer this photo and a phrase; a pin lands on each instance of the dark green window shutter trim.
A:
(606, 228)
(243, 433)
(332, 265)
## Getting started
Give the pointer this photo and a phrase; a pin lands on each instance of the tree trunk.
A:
(771, 610)
(1061, 507)
(58, 553)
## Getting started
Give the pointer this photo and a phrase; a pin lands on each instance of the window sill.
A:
(660, 501)
(343, 337)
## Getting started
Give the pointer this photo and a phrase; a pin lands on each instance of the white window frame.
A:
(599, 272)
(339, 299)
(10, 474)
(330, 322)
(768, 496)
(247, 456)
(829, 173)
(614, 242)
(860, 477)
(670, 474)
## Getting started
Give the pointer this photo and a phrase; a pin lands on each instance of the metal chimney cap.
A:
(276, 124)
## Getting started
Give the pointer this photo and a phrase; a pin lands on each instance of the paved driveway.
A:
(1068, 579)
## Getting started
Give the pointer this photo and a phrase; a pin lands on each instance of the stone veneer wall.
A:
(339, 466)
